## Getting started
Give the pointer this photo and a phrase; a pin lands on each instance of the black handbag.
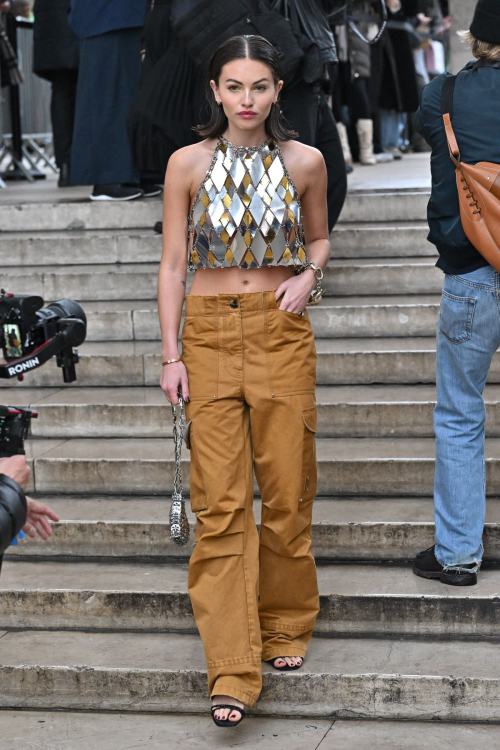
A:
(203, 25)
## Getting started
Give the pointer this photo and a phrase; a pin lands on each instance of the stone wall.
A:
(461, 16)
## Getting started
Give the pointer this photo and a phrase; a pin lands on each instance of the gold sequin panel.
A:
(247, 212)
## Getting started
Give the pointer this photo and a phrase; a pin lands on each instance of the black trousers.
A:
(110, 66)
(306, 109)
(62, 112)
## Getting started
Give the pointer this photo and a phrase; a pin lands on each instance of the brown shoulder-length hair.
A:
(236, 48)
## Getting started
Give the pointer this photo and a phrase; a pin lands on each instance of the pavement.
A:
(40, 730)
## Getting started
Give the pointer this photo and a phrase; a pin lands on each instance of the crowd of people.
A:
(128, 80)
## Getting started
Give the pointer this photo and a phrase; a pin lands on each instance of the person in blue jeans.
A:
(468, 331)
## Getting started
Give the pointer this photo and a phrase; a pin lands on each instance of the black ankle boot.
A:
(64, 173)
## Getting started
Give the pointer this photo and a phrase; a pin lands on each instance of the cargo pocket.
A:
(455, 317)
(200, 354)
(197, 494)
(309, 467)
(290, 353)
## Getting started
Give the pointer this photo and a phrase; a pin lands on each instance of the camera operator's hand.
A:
(16, 467)
(37, 519)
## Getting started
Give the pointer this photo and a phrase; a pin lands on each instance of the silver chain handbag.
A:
(179, 523)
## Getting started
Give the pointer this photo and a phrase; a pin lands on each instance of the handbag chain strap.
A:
(178, 430)
(352, 25)
(179, 523)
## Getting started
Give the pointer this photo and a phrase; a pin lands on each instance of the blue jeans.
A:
(468, 334)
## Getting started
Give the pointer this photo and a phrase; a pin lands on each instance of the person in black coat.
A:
(170, 99)
(55, 58)
(110, 41)
(304, 101)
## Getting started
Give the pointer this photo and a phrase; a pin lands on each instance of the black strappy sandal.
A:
(287, 667)
(226, 722)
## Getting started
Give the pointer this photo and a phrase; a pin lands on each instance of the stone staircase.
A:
(98, 617)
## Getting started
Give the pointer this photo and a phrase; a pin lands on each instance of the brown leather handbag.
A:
(478, 186)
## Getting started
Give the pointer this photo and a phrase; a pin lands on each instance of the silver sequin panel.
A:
(247, 212)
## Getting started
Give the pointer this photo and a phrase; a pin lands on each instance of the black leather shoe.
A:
(426, 566)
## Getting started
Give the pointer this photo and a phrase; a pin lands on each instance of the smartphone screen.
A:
(12, 341)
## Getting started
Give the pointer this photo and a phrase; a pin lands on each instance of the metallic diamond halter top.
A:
(247, 212)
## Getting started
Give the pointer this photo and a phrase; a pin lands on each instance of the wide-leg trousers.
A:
(252, 375)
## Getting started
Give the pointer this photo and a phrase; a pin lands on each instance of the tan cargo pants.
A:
(252, 375)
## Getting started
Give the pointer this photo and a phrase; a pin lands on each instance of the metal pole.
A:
(19, 171)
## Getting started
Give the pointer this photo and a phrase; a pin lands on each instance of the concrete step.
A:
(385, 206)
(358, 361)
(137, 281)
(80, 729)
(72, 247)
(386, 678)
(137, 320)
(349, 361)
(348, 528)
(380, 276)
(379, 240)
(107, 363)
(343, 411)
(79, 215)
(354, 599)
(118, 281)
(346, 466)
(397, 239)
(103, 527)
(335, 317)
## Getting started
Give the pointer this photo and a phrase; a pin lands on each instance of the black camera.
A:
(14, 427)
(31, 335)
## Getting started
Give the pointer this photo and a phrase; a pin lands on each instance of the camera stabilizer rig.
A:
(31, 335)
(14, 427)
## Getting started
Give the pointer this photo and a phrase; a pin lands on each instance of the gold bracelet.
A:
(168, 361)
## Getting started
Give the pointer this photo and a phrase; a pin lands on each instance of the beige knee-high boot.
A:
(345, 143)
(365, 136)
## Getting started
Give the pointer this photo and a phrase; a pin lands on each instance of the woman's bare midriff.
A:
(238, 280)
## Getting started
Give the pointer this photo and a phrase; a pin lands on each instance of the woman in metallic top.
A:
(251, 201)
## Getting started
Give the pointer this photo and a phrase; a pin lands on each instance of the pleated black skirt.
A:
(170, 99)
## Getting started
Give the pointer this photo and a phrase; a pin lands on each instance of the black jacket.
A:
(476, 122)
(310, 24)
(13, 512)
(55, 46)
